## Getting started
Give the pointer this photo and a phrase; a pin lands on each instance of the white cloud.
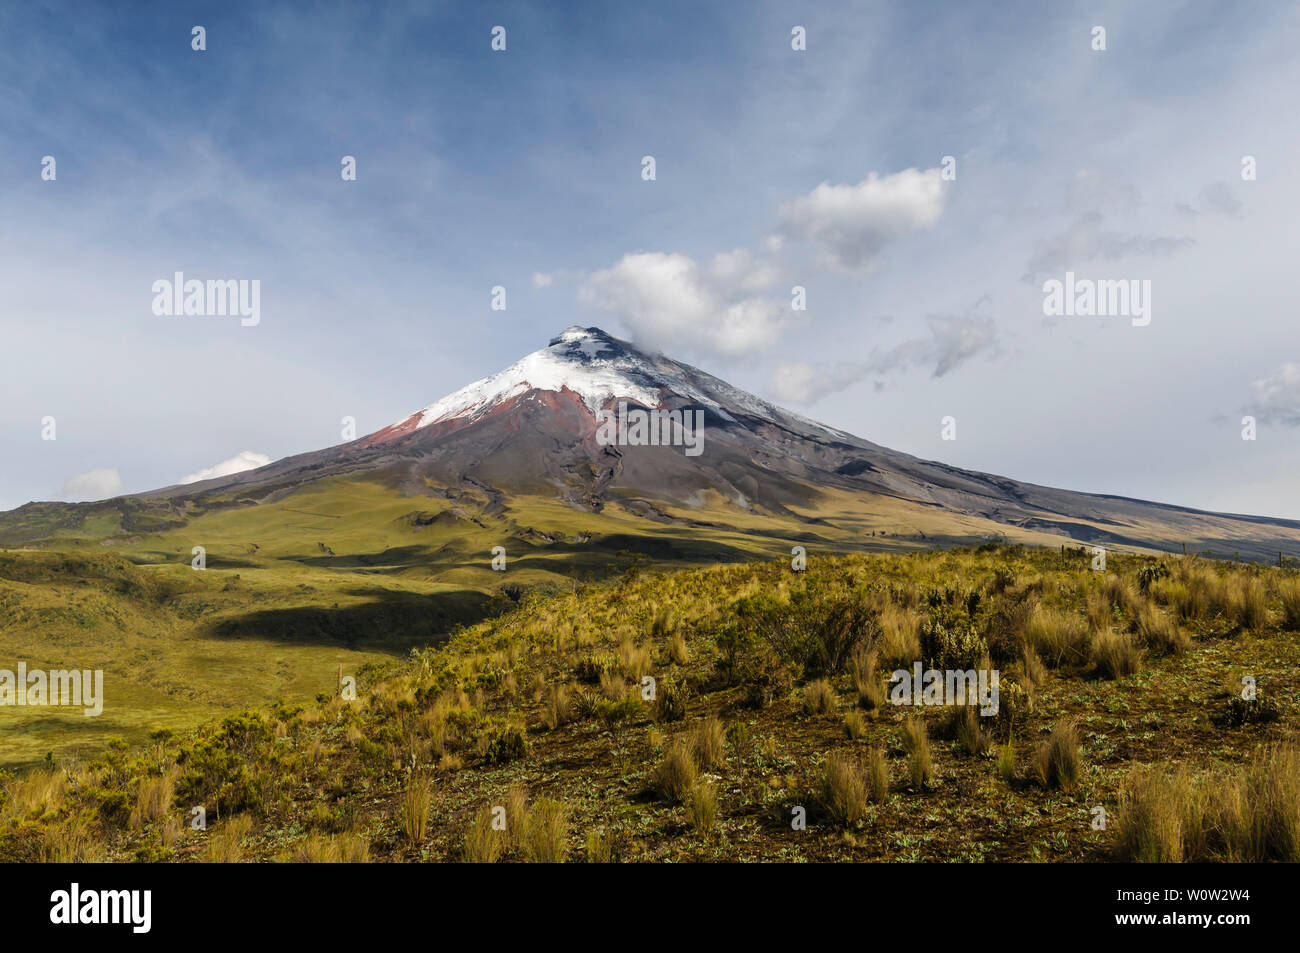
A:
(1277, 398)
(245, 460)
(97, 484)
(851, 224)
(1088, 239)
(542, 280)
(802, 383)
(952, 341)
(667, 300)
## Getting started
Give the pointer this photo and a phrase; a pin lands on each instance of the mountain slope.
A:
(531, 430)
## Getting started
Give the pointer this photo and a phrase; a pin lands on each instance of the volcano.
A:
(534, 430)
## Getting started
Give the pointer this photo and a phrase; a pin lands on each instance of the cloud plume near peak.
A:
(664, 298)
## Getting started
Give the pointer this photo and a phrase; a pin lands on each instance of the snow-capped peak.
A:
(599, 369)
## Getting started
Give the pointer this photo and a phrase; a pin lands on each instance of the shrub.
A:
(1150, 573)
(501, 744)
(950, 641)
(114, 806)
(216, 768)
(1239, 711)
(670, 701)
(820, 638)
(855, 724)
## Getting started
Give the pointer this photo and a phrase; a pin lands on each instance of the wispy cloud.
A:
(952, 341)
(1089, 239)
(98, 484)
(244, 460)
(1277, 397)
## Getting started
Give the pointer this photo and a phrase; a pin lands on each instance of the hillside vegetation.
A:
(529, 736)
(343, 571)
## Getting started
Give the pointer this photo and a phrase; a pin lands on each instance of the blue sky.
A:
(774, 168)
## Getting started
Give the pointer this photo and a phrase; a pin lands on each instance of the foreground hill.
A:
(770, 699)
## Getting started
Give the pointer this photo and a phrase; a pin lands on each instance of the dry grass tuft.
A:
(225, 844)
(413, 809)
(819, 697)
(702, 806)
(1058, 763)
(920, 762)
(844, 790)
(546, 835)
(675, 775)
(1115, 655)
(708, 743)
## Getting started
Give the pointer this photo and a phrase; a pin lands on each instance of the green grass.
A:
(473, 717)
(344, 571)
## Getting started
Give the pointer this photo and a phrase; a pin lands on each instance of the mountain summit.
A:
(587, 421)
(598, 370)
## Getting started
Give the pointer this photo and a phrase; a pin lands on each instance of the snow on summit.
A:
(599, 368)
(589, 363)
